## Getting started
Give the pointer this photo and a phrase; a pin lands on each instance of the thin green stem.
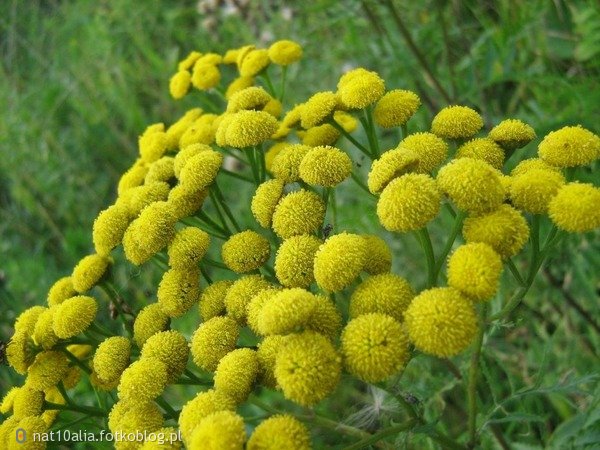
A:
(283, 79)
(171, 413)
(239, 176)
(265, 76)
(360, 184)
(473, 376)
(253, 165)
(217, 205)
(100, 330)
(367, 441)
(221, 232)
(348, 136)
(89, 410)
(370, 129)
(332, 203)
(205, 274)
(214, 263)
(262, 163)
(226, 207)
(75, 360)
(456, 227)
(515, 272)
(425, 241)
(404, 128)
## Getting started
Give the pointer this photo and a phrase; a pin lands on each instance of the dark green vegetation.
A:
(79, 80)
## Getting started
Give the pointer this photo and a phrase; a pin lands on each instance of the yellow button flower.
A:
(178, 291)
(325, 166)
(285, 52)
(240, 294)
(73, 316)
(392, 164)
(318, 109)
(249, 128)
(61, 290)
(286, 164)
(386, 293)
(180, 83)
(300, 212)
(200, 170)
(570, 147)
(171, 348)
(219, 430)
(431, 150)
(339, 261)
(149, 321)
(205, 76)
(286, 311)
(111, 358)
(143, 380)
(360, 88)
(294, 261)
(250, 98)
(533, 190)
(109, 227)
(245, 251)
(89, 271)
(484, 149)
(379, 256)
(456, 122)
(576, 208)
(512, 134)
(395, 108)
(236, 374)
(254, 62)
(201, 406)
(212, 301)
(212, 340)
(188, 247)
(278, 432)
(265, 200)
(475, 269)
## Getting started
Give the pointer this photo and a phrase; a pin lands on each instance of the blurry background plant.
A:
(79, 80)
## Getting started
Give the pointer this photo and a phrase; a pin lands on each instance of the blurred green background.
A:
(79, 80)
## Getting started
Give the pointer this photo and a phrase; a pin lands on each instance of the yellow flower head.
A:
(169, 347)
(200, 170)
(133, 177)
(505, 230)
(185, 203)
(201, 406)
(395, 108)
(20, 351)
(89, 271)
(8, 400)
(533, 190)
(143, 380)
(512, 134)
(300, 212)
(392, 164)
(152, 145)
(532, 164)
(339, 261)
(456, 122)
(43, 333)
(245, 251)
(285, 52)
(28, 402)
(240, 294)
(576, 208)
(475, 269)
(236, 374)
(112, 358)
(267, 352)
(149, 321)
(202, 131)
(188, 247)
(109, 227)
(325, 166)
(254, 62)
(180, 83)
(61, 290)
(321, 135)
(286, 164)
(307, 368)
(137, 198)
(408, 203)
(251, 98)
(318, 109)
(325, 318)
(205, 76)
(379, 256)
(249, 128)
(212, 301)
(431, 150)
(73, 316)
(8, 429)
(238, 85)
(219, 430)
(293, 117)
(25, 322)
(178, 291)
(212, 340)
(386, 293)
(176, 130)
(132, 416)
(484, 149)
(375, 347)
(280, 431)
(570, 147)
(345, 120)
(255, 306)
(149, 233)
(47, 370)
(294, 261)
(265, 200)
(286, 311)
(182, 157)
(189, 61)
(360, 88)
(32, 426)
(441, 322)
(472, 185)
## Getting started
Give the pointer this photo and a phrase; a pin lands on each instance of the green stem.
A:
(253, 165)
(217, 205)
(205, 275)
(332, 203)
(348, 136)
(214, 263)
(515, 272)
(367, 441)
(283, 77)
(425, 241)
(456, 227)
(111, 292)
(76, 361)
(225, 207)
(236, 175)
(362, 185)
(374, 143)
(267, 78)
(404, 128)
(100, 330)
(224, 233)
(260, 155)
(171, 413)
(89, 410)
(473, 376)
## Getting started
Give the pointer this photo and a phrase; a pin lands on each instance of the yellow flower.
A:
(285, 52)
(379, 256)
(219, 430)
(360, 88)
(534, 189)
(200, 170)
(31, 426)
(61, 290)
(300, 212)
(133, 177)
(176, 130)
(307, 368)
(25, 322)
(8, 400)
(250, 128)
(255, 306)
(532, 164)
(345, 120)
(386, 293)
(325, 166)
(188, 247)
(431, 151)
(286, 164)
(28, 402)
(395, 108)
(441, 322)
(189, 61)
(512, 134)
(178, 291)
(89, 271)
(570, 147)
(20, 352)
(505, 230)
(8, 429)
(133, 416)
(321, 135)
(202, 131)
(250, 98)
(212, 301)
(237, 85)
(201, 406)
(184, 203)
(205, 76)
(152, 145)
(149, 321)
(137, 198)
(149, 233)
(143, 380)
(180, 83)
(475, 269)
(112, 358)
(273, 151)
(318, 109)
(484, 149)
(267, 352)
(339, 261)
(210, 58)
(73, 316)
(286, 311)
(408, 203)
(171, 348)
(375, 347)
(293, 117)
(294, 261)
(236, 374)
(325, 318)
(212, 340)
(392, 164)
(456, 122)
(109, 227)
(43, 333)
(576, 208)
(47, 370)
(240, 294)
(183, 155)
(281, 431)
(472, 185)
(265, 200)
(245, 251)
(253, 62)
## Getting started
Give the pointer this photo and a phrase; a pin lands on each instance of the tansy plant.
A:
(297, 307)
